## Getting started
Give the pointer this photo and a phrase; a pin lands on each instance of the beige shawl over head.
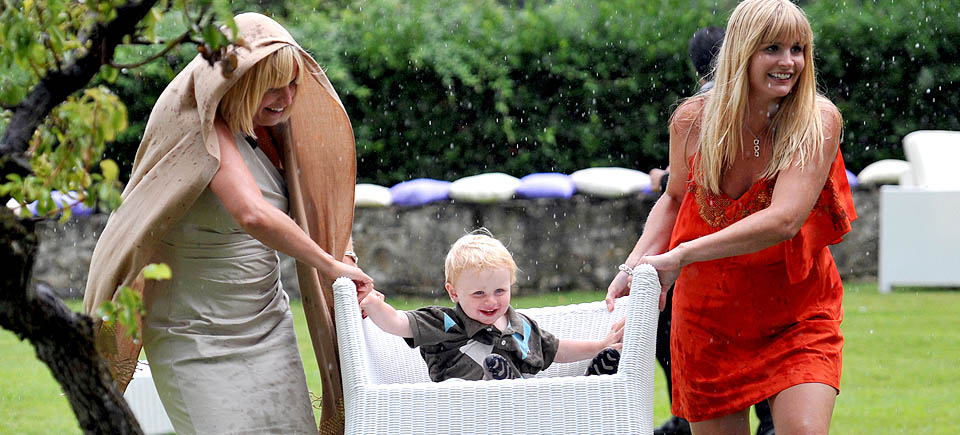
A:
(179, 155)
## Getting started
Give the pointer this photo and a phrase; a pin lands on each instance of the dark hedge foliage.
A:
(891, 67)
(447, 88)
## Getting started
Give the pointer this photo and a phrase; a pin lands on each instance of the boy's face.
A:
(484, 295)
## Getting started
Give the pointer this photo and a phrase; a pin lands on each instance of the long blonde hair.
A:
(240, 103)
(796, 129)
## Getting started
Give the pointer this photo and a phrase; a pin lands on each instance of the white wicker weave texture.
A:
(387, 390)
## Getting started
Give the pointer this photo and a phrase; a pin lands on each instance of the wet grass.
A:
(901, 368)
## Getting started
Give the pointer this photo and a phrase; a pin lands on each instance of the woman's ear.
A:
(452, 292)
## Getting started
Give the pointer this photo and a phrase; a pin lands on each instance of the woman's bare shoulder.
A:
(832, 120)
(688, 113)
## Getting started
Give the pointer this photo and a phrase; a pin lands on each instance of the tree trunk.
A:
(63, 339)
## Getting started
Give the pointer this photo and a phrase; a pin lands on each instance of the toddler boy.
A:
(483, 337)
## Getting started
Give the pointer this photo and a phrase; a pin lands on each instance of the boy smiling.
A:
(483, 337)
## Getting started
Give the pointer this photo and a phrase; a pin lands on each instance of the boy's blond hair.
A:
(240, 103)
(481, 251)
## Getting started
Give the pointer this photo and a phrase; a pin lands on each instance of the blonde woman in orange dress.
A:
(758, 192)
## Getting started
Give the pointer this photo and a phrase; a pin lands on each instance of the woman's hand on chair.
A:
(619, 287)
(363, 281)
(668, 270)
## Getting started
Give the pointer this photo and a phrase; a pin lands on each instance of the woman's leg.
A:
(737, 423)
(803, 409)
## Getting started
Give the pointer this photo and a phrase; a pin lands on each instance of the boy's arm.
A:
(385, 316)
(579, 350)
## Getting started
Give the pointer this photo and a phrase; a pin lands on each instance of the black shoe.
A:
(605, 363)
(496, 367)
(673, 426)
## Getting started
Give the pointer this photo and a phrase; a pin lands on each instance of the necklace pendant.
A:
(756, 147)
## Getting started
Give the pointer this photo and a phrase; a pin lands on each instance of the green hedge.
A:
(446, 89)
(891, 67)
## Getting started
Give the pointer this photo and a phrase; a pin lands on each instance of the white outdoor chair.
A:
(918, 224)
(387, 389)
(933, 157)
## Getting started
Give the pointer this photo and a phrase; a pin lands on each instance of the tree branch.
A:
(185, 37)
(56, 86)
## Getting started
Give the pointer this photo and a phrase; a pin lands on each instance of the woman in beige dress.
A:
(225, 161)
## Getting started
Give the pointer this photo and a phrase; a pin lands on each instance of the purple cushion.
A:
(851, 178)
(62, 200)
(546, 185)
(419, 191)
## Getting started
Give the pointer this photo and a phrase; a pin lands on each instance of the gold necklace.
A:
(756, 141)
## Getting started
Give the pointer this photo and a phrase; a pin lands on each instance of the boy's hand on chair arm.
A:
(615, 338)
(372, 298)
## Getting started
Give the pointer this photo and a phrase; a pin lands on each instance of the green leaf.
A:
(106, 312)
(65, 216)
(157, 271)
(109, 73)
(150, 25)
(109, 169)
(56, 39)
(128, 307)
(211, 36)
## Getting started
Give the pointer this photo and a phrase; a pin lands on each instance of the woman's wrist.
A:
(327, 265)
(682, 252)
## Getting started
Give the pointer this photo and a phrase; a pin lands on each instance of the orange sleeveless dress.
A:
(749, 326)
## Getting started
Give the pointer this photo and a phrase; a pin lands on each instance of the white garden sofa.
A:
(919, 231)
(387, 389)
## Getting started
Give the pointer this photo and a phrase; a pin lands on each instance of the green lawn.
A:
(901, 366)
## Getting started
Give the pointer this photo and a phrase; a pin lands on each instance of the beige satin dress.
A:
(219, 336)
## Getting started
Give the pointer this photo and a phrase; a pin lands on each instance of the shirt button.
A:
(489, 329)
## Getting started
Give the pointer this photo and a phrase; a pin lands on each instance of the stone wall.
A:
(558, 244)
(64, 251)
(857, 256)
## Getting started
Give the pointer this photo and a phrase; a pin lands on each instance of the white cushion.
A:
(610, 182)
(907, 178)
(933, 157)
(490, 187)
(887, 171)
(372, 195)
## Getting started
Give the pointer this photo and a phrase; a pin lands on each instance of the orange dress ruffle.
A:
(749, 326)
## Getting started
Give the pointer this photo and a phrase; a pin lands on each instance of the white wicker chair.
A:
(387, 389)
